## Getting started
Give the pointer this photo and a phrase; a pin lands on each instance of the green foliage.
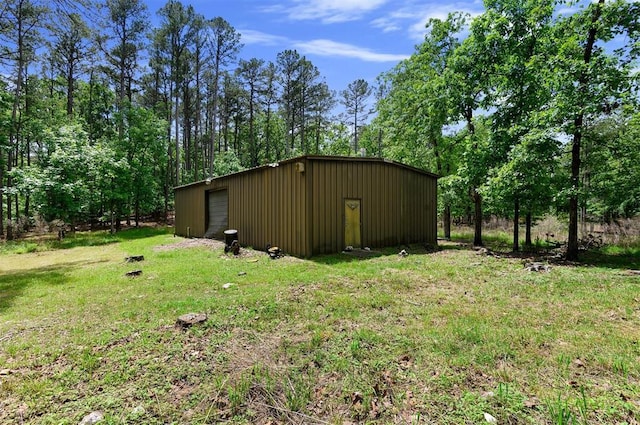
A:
(611, 168)
(144, 149)
(529, 175)
(416, 107)
(59, 186)
(96, 107)
(339, 141)
(539, 77)
(478, 103)
(226, 163)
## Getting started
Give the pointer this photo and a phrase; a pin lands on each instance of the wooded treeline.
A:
(526, 109)
(101, 114)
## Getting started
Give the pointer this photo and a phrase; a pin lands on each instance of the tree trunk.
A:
(572, 243)
(267, 134)
(137, 212)
(516, 225)
(477, 198)
(477, 219)
(214, 114)
(70, 93)
(447, 222)
(177, 136)
(527, 240)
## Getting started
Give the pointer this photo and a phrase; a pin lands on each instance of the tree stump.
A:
(134, 258)
(187, 320)
(537, 267)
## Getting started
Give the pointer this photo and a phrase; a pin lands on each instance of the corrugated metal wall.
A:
(190, 210)
(268, 206)
(398, 204)
(299, 205)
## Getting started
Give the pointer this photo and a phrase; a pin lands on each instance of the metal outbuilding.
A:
(314, 205)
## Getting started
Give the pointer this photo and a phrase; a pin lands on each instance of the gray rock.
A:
(92, 418)
(190, 319)
(138, 411)
(537, 267)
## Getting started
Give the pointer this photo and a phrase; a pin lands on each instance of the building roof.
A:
(315, 158)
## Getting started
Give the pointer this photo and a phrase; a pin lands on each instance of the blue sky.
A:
(345, 39)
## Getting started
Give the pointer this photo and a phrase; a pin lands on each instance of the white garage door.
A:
(218, 207)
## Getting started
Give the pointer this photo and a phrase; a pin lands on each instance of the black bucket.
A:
(230, 236)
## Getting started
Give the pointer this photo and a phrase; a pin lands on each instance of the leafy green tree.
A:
(287, 63)
(107, 182)
(146, 154)
(588, 80)
(467, 80)
(227, 162)
(122, 44)
(96, 107)
(354, 98)
(515, 36)
(527, 180)
(322, 102)
(70, 46)
(610, 169)
(224, 46)
(5, 128)
(177, 32)
(20, 36)
(307, 85)
(339, 140)
(59, 184)
(252, 76)
(269, 97)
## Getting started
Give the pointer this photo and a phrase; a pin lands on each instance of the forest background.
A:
(527, 109)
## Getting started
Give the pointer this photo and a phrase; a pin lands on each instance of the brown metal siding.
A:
(190, 211)
(268, 206)
(398, 204)
(303, 212)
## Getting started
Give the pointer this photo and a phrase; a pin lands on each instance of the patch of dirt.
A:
(191, 243)
(206, 243)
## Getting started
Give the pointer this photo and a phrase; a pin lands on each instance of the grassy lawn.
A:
(442, 337)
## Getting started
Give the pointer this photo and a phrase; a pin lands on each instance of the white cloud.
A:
(414, 17)
(258, 37)
(386, 25)
(328, 11)
(322, 47)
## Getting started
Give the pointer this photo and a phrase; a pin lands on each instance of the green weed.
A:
(560, 412)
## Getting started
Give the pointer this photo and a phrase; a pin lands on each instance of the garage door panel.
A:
(218, 208)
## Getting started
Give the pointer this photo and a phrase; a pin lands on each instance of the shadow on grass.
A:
(14, 283)
(362, 255)
(617, 258)
(88, 238)
(622, 261)
(608, 257)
